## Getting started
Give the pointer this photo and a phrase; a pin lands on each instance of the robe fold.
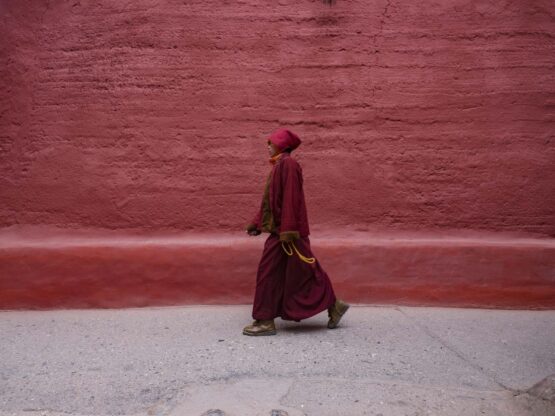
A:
(286, 286)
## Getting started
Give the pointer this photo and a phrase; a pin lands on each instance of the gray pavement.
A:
(193, 361)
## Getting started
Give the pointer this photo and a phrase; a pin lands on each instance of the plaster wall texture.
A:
(132, 149)
(115, 271)
(151, 115)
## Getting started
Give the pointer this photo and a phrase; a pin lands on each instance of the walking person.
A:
(290, 282)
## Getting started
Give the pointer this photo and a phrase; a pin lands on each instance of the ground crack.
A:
(458, 353)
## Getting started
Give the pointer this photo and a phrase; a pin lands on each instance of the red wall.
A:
(151, 115)
(132, 148)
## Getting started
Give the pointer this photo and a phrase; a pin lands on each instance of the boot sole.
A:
(259, 334)
(331, 326)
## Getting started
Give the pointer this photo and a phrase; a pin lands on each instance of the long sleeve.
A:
(259, 219)
(292, 200)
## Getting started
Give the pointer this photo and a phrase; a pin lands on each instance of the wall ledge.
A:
(64, 269)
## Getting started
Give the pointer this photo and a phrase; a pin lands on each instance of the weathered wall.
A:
(150, 115)
(107, 271)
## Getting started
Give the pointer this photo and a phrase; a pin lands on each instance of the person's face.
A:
(272, 149)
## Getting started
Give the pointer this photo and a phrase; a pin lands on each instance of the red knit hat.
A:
(283, 139)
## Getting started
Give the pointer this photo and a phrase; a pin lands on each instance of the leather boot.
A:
(336, 312)
(260, 327)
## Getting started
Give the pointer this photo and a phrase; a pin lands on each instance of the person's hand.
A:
(253, 230)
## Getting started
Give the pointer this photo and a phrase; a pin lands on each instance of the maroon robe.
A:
(286, 286)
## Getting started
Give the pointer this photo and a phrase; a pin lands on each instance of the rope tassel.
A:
(309, 260)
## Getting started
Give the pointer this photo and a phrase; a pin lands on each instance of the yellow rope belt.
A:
(290, 252)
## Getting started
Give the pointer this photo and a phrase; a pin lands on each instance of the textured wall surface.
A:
(428, 148)
(106, 272)
(151, 115)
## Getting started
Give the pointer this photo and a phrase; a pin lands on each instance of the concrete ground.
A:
(193, 361)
